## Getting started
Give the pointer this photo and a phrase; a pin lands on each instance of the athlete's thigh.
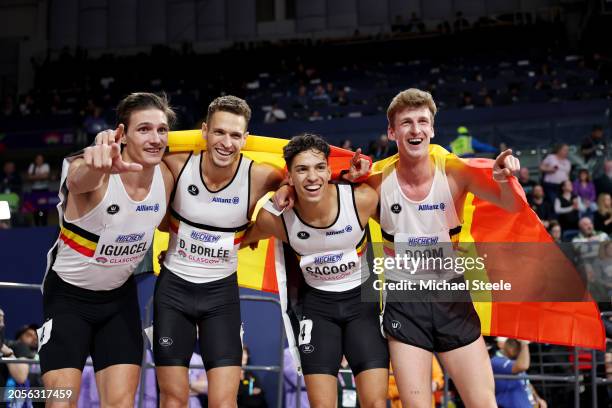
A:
(470, 368)
(320, 344)
(118, 340)
(219, 336)
(174, 331)
(66, 339)
(411, 366)
(363, 344)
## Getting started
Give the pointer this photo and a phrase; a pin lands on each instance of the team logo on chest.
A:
(112, 209)
(396, 208)
(303, 235)
(193, 190)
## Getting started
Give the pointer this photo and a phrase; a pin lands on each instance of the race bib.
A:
(422, 256)
(330, 266)
(349, 398)
(116, 248)
(204, 247)
(44, 333)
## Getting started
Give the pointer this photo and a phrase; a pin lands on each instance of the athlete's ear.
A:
(433, 135)
(244, 138)
(390, 133)
(204, 129)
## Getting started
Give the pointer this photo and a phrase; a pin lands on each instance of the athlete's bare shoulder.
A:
(375, 181)
(366, 199)
(175, 161)
(266, 177)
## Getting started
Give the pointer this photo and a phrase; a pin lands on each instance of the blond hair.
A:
(412, 98)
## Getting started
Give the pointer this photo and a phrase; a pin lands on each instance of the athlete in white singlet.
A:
(112, 201)
(326, 231)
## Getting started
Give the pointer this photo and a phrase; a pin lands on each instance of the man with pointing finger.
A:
(112, 201)
(421, 197)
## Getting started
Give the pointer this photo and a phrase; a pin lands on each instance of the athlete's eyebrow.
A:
(151, 124)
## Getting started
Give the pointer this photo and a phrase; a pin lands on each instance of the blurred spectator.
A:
(398, 25)
(382, 148)
(460, 23)
(8, 108)
(513, 358)
(27, 336)
(26, 107)
(347, 389)
(586, 243)
(556, 168)
(14, 376)
(275, 114)
(585, 189)
(94, 123)
(38, 174)
(603, 184)
(320, 95)
(347, 144)
(467, 102)
(301, 99)
(340, 98)
(464, 145)
(198, 383)
(10, 180)
(603, 264)
(315, 116)
(540, 206)
(554, 229)
(415, 24)
(526, 182)
(291, 378)
(595, 285)
(595, 144)
(567, 207)
(602, 220)
(250, 393)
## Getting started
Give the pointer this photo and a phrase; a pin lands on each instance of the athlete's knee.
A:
(374, 403)
(224, 402)
(483, 398)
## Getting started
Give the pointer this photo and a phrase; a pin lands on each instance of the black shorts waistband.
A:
(228, 280)
(53, 282)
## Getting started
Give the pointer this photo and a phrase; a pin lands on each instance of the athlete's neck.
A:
(137, 183)
(217, 177)
(323, 213)
(414, 172)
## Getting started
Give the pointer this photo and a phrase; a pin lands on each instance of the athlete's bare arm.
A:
(366, 199)
(375, 181)
(264, 178)
(465, 177)
(88, 176)
(169, 184)
(265, 226)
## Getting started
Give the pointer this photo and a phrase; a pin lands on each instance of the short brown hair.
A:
(413, 98)
(144, 100)
(231, 104)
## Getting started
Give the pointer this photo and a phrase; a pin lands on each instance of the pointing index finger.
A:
(500, 159)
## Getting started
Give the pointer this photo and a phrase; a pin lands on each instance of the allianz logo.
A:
(432, 207)
(330, 258)
(145, 207)
(221, 200)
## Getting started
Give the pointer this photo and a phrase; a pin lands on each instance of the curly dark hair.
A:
(302, 143)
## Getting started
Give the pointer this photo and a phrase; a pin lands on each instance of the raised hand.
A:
(105, 156)
(505, 166)
(359, 167)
